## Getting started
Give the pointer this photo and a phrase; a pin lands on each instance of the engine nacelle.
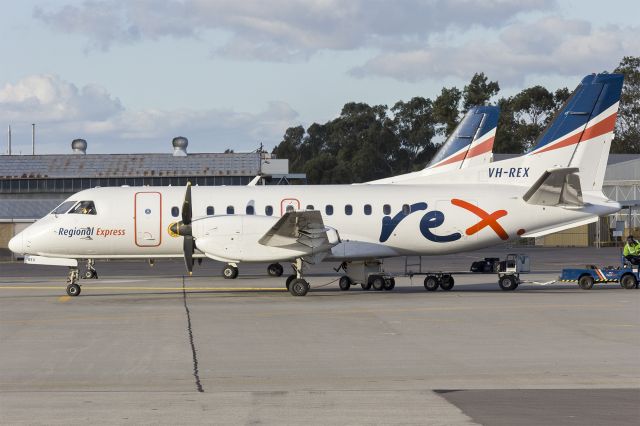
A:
(235, 239)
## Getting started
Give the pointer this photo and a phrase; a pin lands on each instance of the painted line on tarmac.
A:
(84, 288)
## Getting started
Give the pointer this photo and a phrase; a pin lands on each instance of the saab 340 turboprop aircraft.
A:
(557, 185)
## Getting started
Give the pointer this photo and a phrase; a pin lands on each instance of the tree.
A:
(446, 111)
(627, 135)
(479, 91)
(414, 126)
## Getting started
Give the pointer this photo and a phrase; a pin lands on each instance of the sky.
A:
(129, 75)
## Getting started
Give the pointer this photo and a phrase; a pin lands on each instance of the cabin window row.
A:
(367, 209)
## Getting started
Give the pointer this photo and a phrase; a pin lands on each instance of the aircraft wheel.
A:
(344, 283)
(431, 283)
(508, 283)
(299, 287)
(447, 283)
(366, 286)
(389, 284)
(289, 279)
(377, 282)
(586, 282)
(73, 290)
(629, 282)
(230, 272)
(275, 270)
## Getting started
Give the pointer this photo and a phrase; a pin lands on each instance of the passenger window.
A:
(63, 208)
(230, 210)
(406, 209)
(310, 207)
(386, 209)
(328, 209)
(290, 208)
(84, 207)
(268, 210)
(175, 211)
(210, 211)
(348, 209)
(367, 209)
(250, 210)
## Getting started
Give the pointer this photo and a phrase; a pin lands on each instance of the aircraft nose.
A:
(16, 244)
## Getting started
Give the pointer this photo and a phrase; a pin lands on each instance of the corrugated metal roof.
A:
(128, 165)
(22, 209)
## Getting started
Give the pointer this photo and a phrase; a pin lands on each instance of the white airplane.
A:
(557, 185)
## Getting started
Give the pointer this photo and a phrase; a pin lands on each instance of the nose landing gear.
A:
(90, 272)
(296, 284)
(73, 289)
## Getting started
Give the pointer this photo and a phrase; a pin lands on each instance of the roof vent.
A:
(79, 146)
(180, 146)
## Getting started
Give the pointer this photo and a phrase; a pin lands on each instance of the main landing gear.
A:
(230, 271)
(296, 284)
(90, 272)
(73, 288)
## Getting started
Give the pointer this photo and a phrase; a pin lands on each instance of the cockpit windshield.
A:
(84, 207)
(63, 208)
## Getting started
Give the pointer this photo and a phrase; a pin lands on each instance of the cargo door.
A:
(148, 219)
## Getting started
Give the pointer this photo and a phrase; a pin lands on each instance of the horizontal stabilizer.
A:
(556, 187)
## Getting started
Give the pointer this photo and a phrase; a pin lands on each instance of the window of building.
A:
(210, 211)
(230, 210)
(386, 209)
(84, 207)
(328, 209)
(268, 210)
(250, 210)
(406, 209)
(175, 211)
(367, 209)
(348, 209)
(63, 208)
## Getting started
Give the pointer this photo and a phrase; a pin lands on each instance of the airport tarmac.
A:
(145, 345)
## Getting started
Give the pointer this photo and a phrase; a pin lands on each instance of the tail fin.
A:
(581, 133)
(471, 143)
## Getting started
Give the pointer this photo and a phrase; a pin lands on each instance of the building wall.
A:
(573, 237)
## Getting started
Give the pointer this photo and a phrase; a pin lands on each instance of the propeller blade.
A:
(188, 248)
(186, 206)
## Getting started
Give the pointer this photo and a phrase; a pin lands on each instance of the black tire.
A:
(299, 287)
(431, 283)
(275, 270)
(377, 282)
(508, 283)
(289, 279)
(389, 284)
(230, 272)
(366, 286)
(344, 283)
(629, 282)
(586, 282)
(73, 290)
(447, 282)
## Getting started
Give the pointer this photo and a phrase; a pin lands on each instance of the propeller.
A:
(183, 228)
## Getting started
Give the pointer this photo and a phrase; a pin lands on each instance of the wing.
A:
(301, 229)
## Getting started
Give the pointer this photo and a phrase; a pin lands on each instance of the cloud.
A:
(281, 30)
(550, 45)
(64, 112)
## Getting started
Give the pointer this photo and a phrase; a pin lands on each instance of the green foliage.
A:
(371, 142)
(627, 138)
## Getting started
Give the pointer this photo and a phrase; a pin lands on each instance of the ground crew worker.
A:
(632, 250)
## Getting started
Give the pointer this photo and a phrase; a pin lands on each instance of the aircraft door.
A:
(289, 204)
(148, 219)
